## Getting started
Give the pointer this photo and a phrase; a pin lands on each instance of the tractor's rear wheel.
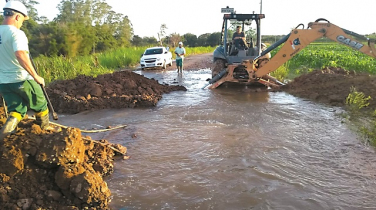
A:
(218, 65)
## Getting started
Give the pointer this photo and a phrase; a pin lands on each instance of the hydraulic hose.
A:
(273, 46)
(355, 35)
(216, 77)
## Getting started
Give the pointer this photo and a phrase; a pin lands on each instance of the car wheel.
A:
(164, 65)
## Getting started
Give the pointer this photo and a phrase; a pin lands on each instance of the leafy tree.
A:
(136, 40)
(202, 40)
(145, 41)
(124, 32)
(190, 40)
(372, 36)
(47, 38)
(250, 33)
(214, 39)
(91, 25)
(174, 39)
(150, 41)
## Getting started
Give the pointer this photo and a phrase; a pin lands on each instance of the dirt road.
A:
(195, 62)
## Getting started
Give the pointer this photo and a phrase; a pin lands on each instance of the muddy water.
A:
(234, 149)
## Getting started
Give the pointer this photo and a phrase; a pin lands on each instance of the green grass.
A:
(321, 55)
(314, 56)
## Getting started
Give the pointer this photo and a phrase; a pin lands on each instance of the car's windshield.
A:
(153, 51)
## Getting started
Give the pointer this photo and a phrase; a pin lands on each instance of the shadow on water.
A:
(232, 148)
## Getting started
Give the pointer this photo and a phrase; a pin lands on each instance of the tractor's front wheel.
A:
(218, 65)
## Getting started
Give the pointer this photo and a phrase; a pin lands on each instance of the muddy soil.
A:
(122, 89)
(332, 86)
(54, 170)
(65, 170)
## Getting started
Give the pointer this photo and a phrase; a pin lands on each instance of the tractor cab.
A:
(235, 51)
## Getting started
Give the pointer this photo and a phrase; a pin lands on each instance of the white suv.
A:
(156, 57)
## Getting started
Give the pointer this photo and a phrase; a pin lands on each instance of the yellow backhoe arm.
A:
(300, 38)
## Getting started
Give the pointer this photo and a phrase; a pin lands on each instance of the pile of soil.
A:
(121, 89)
(54, 170)
(332, 86)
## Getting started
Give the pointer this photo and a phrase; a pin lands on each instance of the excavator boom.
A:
(258, 69)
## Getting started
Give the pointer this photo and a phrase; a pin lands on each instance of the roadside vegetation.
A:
(324, 54)
(62, 68)
(362, 118)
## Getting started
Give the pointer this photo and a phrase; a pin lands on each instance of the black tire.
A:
(218, 65)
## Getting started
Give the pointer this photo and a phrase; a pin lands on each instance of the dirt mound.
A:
(47, 170)
(122, 89)
(332, 86)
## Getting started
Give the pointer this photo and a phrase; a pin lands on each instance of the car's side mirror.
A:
(141, 55)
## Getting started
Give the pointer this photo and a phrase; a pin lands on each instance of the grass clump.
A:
(366, 123)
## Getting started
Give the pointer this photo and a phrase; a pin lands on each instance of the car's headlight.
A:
(142, 59)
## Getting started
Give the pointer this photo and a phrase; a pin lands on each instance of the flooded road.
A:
(234, 149)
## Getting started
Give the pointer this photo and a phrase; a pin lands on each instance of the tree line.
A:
(84, 27)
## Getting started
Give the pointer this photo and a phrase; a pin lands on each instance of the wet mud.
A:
(54, 170)
(122, 89)
(332, 86)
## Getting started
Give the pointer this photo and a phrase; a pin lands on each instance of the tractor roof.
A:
(243, 17)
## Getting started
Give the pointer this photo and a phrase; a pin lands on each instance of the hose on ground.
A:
(86, 131)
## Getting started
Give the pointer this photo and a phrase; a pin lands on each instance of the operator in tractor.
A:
(180, 52)
(238, 40)
(20, 85)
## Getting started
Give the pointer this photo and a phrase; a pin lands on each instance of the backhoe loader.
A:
(256, 70)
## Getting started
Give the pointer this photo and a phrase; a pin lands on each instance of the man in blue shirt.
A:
(180, 52)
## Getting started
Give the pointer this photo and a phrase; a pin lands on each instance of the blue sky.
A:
(204, 16)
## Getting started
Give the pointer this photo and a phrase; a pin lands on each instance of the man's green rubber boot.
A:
(43, 120)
